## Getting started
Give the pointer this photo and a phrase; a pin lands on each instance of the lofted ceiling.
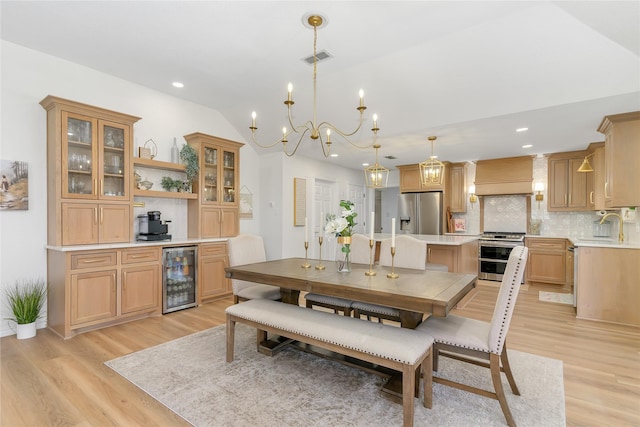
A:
(469, 73)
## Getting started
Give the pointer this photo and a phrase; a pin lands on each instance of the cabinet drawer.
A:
(213, 249)
(546, 244)
(93, 260)
(130, 256)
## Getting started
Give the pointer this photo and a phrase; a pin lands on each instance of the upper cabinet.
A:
(88, 161)
(410, 181)
(621, 154)
(458, 190)
(569, 190)
(215, 211)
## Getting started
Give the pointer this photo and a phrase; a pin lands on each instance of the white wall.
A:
(27, 77)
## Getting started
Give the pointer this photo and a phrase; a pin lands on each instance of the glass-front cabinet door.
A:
(94, 163)
(210, 193)
(114, 173)
(229, 177)
(78, 146)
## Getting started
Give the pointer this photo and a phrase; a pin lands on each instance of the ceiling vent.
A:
(320, 56)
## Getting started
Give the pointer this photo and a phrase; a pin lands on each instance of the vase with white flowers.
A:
(342, 227)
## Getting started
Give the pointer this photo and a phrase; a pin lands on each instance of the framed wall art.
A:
(299, 201)
(14, 187)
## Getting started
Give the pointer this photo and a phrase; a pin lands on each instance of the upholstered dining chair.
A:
(410, 253)
(247, 249)
(359, 255)
(468, 340)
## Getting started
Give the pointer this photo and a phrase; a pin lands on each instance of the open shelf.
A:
(164, 194)
(157, 164)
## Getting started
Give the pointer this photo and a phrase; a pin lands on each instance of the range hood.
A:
(512, 175)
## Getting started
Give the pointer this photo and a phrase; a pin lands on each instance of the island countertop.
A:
(433, 239)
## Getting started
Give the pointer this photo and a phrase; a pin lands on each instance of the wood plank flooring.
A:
(46, 381)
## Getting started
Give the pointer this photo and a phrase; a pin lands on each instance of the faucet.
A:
(621, 230)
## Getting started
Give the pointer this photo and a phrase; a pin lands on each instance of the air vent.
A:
(320, 56)
(390, 157)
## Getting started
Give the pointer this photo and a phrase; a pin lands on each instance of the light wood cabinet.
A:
(607, 284)
(458, 258)
(212, 280)
(88, 160)
(458, 187)
(569, 190)
(621, 154)
(88, 223)
(547, 261)
(410, 181)
(215, 212)
(596, 197)
(93, 289)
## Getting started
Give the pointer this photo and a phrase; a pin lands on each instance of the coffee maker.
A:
(152, 228)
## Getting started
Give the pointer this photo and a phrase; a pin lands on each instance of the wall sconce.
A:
(472, 195)
(539, 188)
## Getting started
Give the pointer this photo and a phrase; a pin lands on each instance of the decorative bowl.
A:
(145, 185)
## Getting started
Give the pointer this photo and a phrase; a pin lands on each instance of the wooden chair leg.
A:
(507, 370)
(408, 387)
(261, 336)
(230, 338)
(427, 378)
(436, 352)
(494, 362)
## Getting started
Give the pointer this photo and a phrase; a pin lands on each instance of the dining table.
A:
(415, 293)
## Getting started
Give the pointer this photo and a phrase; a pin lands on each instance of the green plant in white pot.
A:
(26, 299)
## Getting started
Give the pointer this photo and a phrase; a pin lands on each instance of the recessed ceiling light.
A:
(334, 155)
(522, 129)
(177, 84)
(527, 146)
(365, 164)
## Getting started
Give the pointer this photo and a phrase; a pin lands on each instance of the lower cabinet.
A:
(212, 281)
(547, 262)
(91, 289)
(461, 259)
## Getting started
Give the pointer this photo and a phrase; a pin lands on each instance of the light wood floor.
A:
(46, 381)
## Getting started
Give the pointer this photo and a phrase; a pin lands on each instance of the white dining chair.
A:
(359, 255)
(468, 340)
(410, 253)
(247, 249)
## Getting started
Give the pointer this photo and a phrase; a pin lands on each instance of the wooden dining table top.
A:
(421, 291)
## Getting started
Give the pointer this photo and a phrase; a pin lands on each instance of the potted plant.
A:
(169, 183)
(26, 300)
(189, 157)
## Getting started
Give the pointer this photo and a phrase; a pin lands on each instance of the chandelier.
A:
(312, 128)
(376, 176)
(432, 169)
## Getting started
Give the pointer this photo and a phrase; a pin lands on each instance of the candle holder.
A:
(306, 250)
(393, 274)
(370, 272)
(320, 266)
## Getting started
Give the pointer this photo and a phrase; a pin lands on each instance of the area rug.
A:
(556, 297)
(293, 388)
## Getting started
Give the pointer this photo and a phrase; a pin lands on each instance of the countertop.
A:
(434, 239)
(589, 241)
(135, 244)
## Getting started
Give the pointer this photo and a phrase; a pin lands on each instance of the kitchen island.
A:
(458, 252)
(606, 286)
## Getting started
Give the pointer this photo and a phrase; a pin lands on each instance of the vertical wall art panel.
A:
(14, 187)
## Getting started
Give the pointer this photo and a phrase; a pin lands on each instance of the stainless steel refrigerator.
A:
(420, 213)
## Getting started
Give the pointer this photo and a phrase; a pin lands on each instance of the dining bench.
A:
(400, 349)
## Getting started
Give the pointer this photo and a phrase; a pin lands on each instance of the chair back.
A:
(506, 302)
(245, 249)
(410, 253)
(360, 249)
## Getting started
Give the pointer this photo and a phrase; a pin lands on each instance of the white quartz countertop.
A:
(589, 241)
(136, 244)
(434, 239)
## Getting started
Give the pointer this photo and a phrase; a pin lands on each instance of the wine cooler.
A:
(179, 278)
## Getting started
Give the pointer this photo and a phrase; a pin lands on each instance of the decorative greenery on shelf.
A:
(26, 299)
(189, 157)
(169, 183)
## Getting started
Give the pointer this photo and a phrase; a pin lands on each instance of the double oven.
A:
(493, 253)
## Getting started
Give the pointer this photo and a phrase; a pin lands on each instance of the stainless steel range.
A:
(493, 253)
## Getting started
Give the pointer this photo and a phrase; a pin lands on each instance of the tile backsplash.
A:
(510, 211)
